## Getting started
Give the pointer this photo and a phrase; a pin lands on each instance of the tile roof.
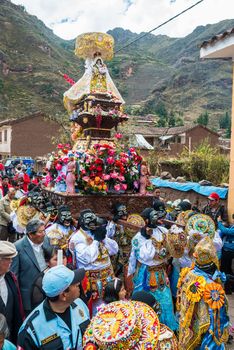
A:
(218, 37)
(155, 131)
(18, 120)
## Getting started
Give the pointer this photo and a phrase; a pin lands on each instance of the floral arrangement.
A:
(106, 168)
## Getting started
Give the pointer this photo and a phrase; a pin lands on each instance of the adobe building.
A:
(174, 139)
(30, 136)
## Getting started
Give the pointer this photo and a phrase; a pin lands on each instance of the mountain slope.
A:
(156, 68)
(31, 56)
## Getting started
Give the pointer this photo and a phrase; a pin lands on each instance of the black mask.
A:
(120, 212)
(51, 210)
(64, 216)
(37, 200)
(88, 220)
(153, 219)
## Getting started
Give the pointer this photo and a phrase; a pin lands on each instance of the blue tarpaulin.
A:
(188, 186)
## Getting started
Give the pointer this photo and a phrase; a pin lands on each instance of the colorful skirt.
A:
(153, 279)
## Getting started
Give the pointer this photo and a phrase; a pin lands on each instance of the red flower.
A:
(98, 161)
(137, 158)
(105, 145)
(99, 168)
(118, 163)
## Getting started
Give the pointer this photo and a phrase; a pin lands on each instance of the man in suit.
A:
(30, 261)
(10, 299)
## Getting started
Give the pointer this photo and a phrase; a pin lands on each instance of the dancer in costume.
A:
(123, 234)
(92, 252)
(202, 303)
(24, 210)
(148, 262)
(60, 232)
(197, 226)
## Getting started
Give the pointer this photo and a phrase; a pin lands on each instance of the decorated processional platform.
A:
(98, 168)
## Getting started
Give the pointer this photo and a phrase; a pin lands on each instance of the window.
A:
(5, 135)
(0, 136)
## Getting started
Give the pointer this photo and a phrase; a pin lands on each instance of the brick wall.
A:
(32, 137)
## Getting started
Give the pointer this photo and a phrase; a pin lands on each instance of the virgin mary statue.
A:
(93, 47)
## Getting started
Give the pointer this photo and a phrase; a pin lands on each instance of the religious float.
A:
(97, 170)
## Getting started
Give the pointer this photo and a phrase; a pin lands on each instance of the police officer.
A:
(59, 322)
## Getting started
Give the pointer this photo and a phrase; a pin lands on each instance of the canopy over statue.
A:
(94, 103)
(93, 47)
(89, 44)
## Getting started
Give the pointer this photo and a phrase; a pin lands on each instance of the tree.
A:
(203, 119)
(161, 110)
(225, 121)
(228, 131)
(179, 122)
(172, 121)
(161, 122)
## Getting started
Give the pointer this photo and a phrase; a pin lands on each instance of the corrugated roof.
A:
(142, 143)
(218, 37)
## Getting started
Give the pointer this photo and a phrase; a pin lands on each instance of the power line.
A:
(159, 26)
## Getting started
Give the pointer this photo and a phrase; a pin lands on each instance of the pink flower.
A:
(114, 175)
(132, 149)
(83, 171)
(86, 178)
(110, 160)
(124, 187)
(111, 152)
(106, 177)
(60, 146)
(117, 187)
(121, 178)
(58, 166)
(124, 160)
(118, 136)
(59, 178)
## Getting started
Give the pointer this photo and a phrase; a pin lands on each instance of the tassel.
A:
(152, 280)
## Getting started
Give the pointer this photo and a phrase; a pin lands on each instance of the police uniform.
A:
(44, 329)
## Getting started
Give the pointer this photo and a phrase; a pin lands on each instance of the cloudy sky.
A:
(68, 18)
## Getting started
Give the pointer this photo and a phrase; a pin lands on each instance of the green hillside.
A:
(154, 69)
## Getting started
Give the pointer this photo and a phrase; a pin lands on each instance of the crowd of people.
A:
(151, 280)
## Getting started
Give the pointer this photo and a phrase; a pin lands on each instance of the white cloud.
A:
(68, 18)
